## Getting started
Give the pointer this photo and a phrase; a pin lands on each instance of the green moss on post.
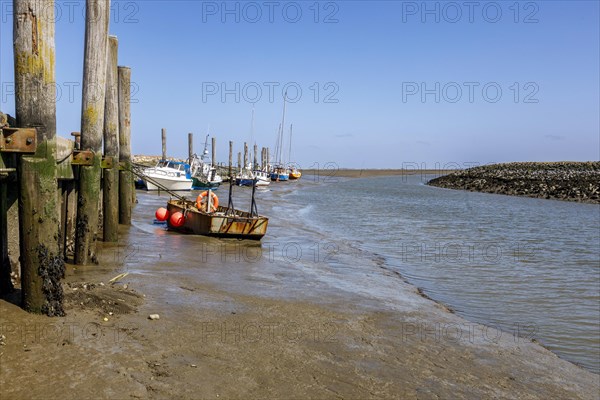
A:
(35, 93)
(126, 192)
(110, 182)
(92, 124)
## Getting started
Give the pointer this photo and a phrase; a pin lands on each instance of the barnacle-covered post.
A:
(42, 267)
(92, 124)
(126, 192)
(110, 182)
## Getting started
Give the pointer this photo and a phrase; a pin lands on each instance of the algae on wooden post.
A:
(42, 267)
(110, 182)
(92, 123)
(126, 191)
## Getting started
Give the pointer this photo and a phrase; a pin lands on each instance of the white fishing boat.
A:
(172, 175)
(263, 178)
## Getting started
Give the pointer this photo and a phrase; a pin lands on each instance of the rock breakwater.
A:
(571, 181)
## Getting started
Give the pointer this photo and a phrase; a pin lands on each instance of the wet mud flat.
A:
(219, 343)
(233, 326)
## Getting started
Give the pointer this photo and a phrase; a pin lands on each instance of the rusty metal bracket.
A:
(18, 140)
(107, 162)
(83, 157)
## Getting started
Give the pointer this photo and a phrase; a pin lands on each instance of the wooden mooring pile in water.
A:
(61, 195)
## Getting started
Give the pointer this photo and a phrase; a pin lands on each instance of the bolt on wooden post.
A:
(110, 183)
(125, 176)
(42, 267)
(92, 124)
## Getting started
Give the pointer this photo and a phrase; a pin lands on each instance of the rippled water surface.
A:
(528, 266)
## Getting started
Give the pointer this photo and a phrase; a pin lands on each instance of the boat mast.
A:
(252, 135)
(281, 129)
(290, 150)
(205, 152)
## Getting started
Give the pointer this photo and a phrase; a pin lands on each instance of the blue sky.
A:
(384, 84)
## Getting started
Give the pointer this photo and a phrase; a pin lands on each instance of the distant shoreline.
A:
(370, 173)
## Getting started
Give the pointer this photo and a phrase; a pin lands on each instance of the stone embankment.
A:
(572, 181)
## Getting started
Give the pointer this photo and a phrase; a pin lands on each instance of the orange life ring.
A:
(202, 201)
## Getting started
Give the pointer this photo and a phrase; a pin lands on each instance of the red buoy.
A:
(177, 219)
(162, 214)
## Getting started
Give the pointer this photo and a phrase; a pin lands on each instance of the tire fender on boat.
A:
(201, 201)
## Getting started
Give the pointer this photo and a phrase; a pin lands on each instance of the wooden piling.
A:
(255, 161)
(239, 161)
(230, 158)
(262, 158)
(190, 147)
(125, 176)
(164, 143)
(92, 124)
(110, 183)
(245, 155)
(214, 151)
(42, 266)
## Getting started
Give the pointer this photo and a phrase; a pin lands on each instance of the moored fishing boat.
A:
(279, 174)
(262, 178)
(222, 222)
(204, 174)
(172, 175)
(295, 174)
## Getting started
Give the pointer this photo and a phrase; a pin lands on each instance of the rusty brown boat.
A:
(224, 222)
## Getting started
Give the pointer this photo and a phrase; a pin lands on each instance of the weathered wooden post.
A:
(214, 151)
(262, 158)
(268, 158)
(164, 143)
(230, 157)
(42, 267)
(255, 161)
(125, 176)
(92, 123)
(190, 147)
(110, 186)
(245, 155)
